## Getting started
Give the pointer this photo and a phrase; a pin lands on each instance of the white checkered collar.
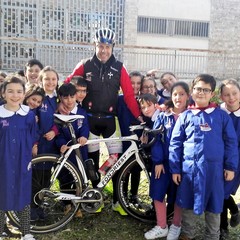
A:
(54, 94)
(23, 111)
(154, 116)
(168, 113)
(207, 110)
(236, 113)
(74, 110)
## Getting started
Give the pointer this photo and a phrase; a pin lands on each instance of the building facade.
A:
(185, 37)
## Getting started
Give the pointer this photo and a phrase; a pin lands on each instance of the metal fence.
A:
(185, 63)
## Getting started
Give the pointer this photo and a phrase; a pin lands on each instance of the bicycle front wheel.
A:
(48, 214)
(133, 191)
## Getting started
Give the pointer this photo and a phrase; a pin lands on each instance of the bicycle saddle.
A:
(68, 118)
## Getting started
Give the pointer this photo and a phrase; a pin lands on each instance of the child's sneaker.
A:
(156, 232)
(235, 219)
(174, 232)
(117, 208)
(28, 237)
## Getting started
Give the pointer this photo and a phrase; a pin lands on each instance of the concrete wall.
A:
(193, 10)
(225, 34)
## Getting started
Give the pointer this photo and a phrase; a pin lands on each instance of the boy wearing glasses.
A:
(81, 86)
(203, 153)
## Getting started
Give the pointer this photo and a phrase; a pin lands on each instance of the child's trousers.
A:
(24, 217)
(212, 224)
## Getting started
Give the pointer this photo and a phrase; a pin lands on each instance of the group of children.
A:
(195, 161)
(28, 128)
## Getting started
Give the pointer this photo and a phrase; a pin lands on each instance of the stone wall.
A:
(130, 30)
(225, 36)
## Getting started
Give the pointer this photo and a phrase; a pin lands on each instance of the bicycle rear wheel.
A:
(133, 191)
(53, 213)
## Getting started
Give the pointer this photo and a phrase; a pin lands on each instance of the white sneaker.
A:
(28, 237)
(174, 232)
(156, 232)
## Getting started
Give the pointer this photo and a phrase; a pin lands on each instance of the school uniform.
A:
(46, 123)
(125, 119)
(168, 121)
(17, 136)
(158, 187)
(81, 129)
(231, 187)
(203, 144)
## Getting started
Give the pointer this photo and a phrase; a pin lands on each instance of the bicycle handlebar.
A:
(147, 131)
(153, 133)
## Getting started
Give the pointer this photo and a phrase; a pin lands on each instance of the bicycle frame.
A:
(132, 149)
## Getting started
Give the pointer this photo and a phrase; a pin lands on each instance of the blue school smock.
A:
(17, 136)
(46, 121)
(230, 187)
(125, 119)
(202, 145)
(81, 129)
(158, 187)
(167, 119)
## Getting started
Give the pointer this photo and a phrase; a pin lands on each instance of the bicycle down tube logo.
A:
(115, 167)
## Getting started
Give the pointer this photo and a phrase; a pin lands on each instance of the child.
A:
(81, 86)
(230, 95)
(17, 135)
(3, 75)
(149, 86)
(178, 104)
(160, 174)
(202, 152)
(67, 95)
(47, 130)
(167, 79)
(48, 78)
(34, 97)
(126, 119)
(31, 71)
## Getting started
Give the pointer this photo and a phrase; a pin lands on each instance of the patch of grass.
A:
(109, 225)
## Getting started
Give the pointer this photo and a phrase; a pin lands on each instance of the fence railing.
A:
(185, 63)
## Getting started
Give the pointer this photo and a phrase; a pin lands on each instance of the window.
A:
(172, 27)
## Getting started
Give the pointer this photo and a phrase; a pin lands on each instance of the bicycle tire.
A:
(54, 211)
(142, 210)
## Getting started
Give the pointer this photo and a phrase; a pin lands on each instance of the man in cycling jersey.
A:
(105, 75)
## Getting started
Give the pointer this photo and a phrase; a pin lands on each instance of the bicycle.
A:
(52, 196)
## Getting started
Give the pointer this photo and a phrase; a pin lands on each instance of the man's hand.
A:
(62, 109)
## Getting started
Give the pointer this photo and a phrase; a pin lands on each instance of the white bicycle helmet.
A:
(104, 35)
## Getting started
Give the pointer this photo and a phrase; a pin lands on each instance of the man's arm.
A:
(77, 71)
(128, 93)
